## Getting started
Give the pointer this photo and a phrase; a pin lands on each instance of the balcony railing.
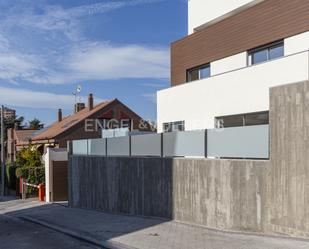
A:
(238, 142)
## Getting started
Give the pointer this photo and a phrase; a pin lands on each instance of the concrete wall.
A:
(269, 197)
(216, 193)
(288, 176)
(137, 186)
(221, 194)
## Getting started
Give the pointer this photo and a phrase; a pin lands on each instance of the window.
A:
(266, 53)
(198, 73)
(258, 118)
(174, 126)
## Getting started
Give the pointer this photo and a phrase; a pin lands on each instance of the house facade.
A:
(235, 51)
(87, 123)
(17, 139)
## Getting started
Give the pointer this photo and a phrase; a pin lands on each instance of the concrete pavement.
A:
(119, 231)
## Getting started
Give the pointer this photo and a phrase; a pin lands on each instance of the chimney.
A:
(59, 115)
(78, 107)
(90, 101)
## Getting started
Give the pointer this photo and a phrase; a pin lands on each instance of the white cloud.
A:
(33, 99)
(64, 55)
(104, 61)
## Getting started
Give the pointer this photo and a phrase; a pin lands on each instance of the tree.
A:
(19, 121)
(35, 124)
(14, 121)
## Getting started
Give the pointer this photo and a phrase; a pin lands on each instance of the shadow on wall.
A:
(134, 186)
(269, 197)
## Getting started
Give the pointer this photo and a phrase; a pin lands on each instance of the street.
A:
(17, 234)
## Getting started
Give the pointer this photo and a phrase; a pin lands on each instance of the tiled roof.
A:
(23, 136)
(68, 122)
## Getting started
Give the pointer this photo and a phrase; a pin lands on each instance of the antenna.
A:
(78, 90)
(76, 93)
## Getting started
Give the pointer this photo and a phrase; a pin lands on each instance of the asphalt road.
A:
(18, 234)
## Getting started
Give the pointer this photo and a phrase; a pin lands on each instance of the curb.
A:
(104, 244)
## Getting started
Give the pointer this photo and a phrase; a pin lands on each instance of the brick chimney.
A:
(78, 107)
(90, 101)
(59, 115)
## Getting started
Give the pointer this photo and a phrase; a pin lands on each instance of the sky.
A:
(112, 48)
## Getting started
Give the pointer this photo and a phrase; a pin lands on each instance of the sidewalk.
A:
(117, 231)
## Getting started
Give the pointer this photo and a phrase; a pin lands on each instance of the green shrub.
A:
(30, 167)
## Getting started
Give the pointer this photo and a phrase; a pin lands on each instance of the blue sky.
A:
(114, 49)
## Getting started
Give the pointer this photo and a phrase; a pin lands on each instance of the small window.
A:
(198, 73)
(266, 53)
(174, 126)
(249, 119)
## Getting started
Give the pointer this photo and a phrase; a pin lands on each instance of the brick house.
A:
(16, 140)
(87, 122)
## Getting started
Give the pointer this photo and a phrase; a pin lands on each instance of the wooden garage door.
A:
(60, 180)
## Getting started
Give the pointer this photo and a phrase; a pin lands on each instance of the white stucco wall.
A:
(50, 156)
(241, 91)
(203, 11)
(292, 45)
(229, 63)
(297, 43)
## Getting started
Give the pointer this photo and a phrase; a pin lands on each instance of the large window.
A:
(198, 73)
(258, 118)
(174, 126)
(266, 53)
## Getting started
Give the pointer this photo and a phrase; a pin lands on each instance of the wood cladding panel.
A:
(263, 23)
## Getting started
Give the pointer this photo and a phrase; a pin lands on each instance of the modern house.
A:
(235, 51)
(244, 66)
(88, 122)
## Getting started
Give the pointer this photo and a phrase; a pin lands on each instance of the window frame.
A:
(242, 116)
(204, 66)
(172, 125)
(266, 47)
